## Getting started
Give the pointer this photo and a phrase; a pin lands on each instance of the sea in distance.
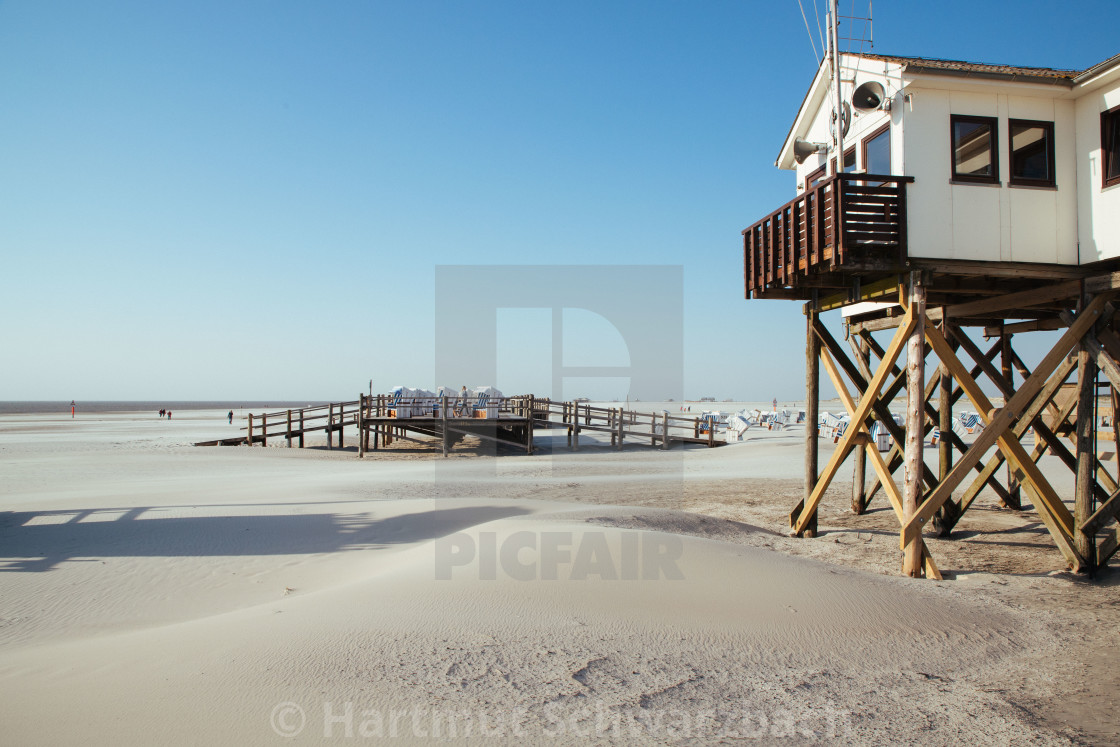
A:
(29, 407)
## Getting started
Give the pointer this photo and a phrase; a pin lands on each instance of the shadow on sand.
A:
(41, 540)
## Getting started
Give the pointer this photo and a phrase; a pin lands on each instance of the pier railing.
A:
(422, 414)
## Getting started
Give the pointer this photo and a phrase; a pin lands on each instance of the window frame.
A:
(822, 171)
(1023, 181)
(886, 128)
(993, 148)
(1108, 150)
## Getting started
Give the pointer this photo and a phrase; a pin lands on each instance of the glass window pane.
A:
(1030, 152)
(972, 148)
(850, 160)
(879, 154)
(1112, 137)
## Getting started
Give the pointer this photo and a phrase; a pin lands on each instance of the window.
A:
(877, 151)
(1110, 146)
(974, 149)
(816, 177)
(850, 160)
(1032, 152)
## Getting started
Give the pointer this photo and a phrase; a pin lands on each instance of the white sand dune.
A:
(171, 594)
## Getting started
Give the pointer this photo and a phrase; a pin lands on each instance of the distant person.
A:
(162, 412)
(73, 407)
(775, 404)
(169, 414)
(231, 417)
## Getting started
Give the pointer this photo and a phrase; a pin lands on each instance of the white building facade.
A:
(1009, 164)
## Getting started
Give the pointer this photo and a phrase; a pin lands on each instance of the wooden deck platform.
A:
(374, 420)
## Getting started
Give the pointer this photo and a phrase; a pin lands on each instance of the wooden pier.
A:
(377, 420)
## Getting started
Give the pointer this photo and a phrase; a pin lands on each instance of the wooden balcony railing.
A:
(804, 236)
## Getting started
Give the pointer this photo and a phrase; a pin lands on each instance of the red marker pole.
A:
(72, 408)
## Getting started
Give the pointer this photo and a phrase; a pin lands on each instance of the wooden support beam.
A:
(1057, 516)
(1085, 541)
(812, 413)
(913, 463)
(862, 354)
(1107, 511)
(1014, 499)
(876, 458)
(1034, 325)
(1034, 297)
(362, 437)
(1045, 396)
(880, 405)
(443, 434)
(800, 520)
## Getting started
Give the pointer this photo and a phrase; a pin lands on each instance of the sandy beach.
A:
(156, 592)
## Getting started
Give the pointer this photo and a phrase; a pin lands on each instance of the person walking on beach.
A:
(169, 414)
(231, 417)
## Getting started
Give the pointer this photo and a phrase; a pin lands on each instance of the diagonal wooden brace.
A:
(869, 398)
(1050, 507)
(1034, 411)
(1002, 419)
(879, 407)
(876, 459)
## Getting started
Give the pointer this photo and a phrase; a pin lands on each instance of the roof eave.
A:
(785, 155)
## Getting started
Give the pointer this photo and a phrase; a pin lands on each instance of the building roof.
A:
(960, 67)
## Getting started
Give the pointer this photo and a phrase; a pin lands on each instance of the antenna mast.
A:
(838, 107)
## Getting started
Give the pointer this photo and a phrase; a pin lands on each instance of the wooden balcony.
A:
(847, 224)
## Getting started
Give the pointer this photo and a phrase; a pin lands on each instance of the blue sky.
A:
(249, 199)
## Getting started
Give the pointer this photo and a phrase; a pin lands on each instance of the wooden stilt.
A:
(249, 439)
(812, 413)
(289, 433)
(574, 424)
(915, 416)
(330, 425)
(264, 429)
(443, 423)
(862, 348)
(1014, 499)
(1083, 538)
(361, 426)
(529, 426)
(301, 428)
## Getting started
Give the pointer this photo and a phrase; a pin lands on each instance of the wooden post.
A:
(1085, 542)
(330, 425)
(529, 426)
(610, 426)
(361, 425)
(1014, 500)
(711, 433)
(443, 423)
(621, 422)
(301, 428)
(915, 419)
(859, 466)
(665, 431)
(264, 429)
(696, 427)
(945, 420)
(575, 426)
(289, 429)
(812, 405)
(249, 440)
(341, 425)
